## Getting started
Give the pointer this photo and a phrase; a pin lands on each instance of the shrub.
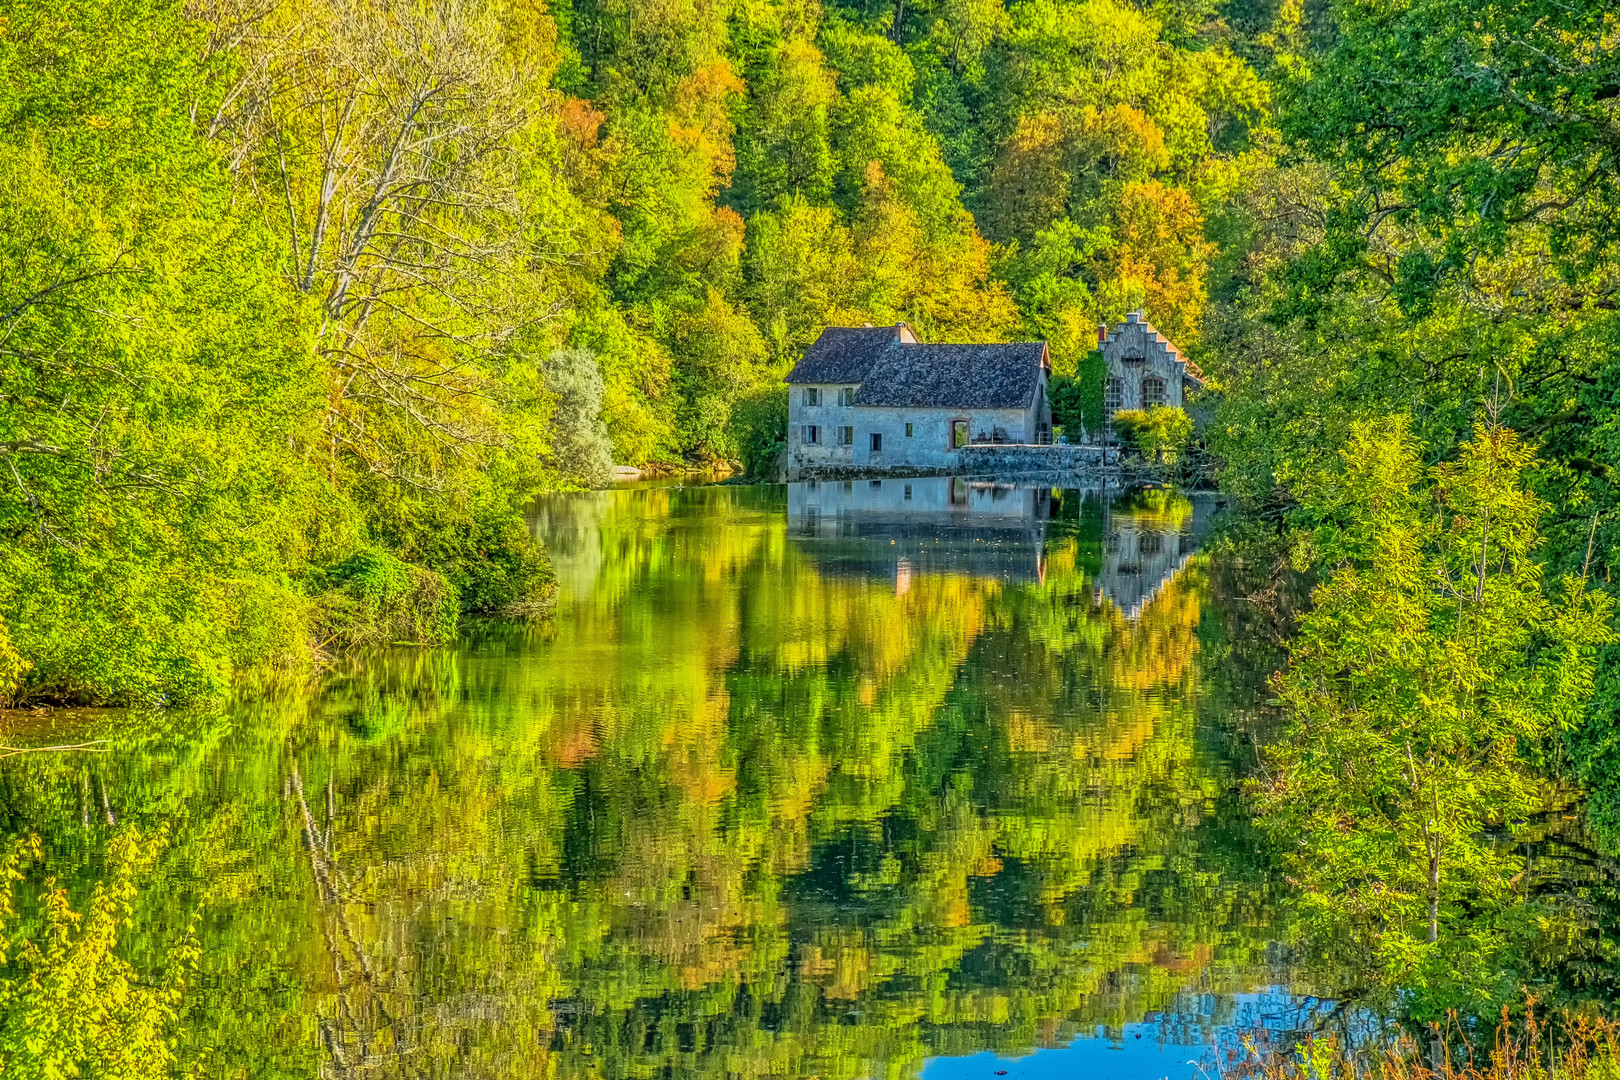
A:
(102, 627)
(488, 556)
(12, 667)
(502, 570)
(1159, 433)
(373, 598)
(759, 429)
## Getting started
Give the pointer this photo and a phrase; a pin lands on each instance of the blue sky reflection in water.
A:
(1161, 1047)
(830, 781)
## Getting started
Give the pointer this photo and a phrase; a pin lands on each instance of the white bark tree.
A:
(392, 144)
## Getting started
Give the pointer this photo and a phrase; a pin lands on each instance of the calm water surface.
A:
(849, 780)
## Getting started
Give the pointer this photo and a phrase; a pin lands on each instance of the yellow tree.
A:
(1159, 259)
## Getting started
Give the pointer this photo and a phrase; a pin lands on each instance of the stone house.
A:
(1143, 368)
(875, 398)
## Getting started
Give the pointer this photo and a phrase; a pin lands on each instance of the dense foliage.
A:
(1415, 355)
(1158, 433)
(1438, 241)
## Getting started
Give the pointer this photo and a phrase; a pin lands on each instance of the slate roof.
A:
(954, 376)
(843, 354)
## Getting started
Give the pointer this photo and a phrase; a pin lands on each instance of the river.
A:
(858, 779)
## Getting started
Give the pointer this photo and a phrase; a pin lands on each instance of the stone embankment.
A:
(988, 459)
(1018, 458)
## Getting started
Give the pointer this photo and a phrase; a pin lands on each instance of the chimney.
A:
(1102, 334)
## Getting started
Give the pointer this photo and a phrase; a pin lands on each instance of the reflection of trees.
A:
(728, 816)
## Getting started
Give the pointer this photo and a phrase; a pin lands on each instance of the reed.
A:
(1565, 1047)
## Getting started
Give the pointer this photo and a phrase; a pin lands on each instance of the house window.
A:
(959, 433)
(877, 442)
(908, 431)
(846, 436)
(812, 434)
(875, 485)
(846, 395)
(908, 491)
(812, 395)
(1152, 392)
(1113, 396)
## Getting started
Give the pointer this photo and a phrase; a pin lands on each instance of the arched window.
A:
(1152, 392)
(1113, 396)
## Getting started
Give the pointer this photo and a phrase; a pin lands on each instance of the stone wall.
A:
(1014, 460)
(981, 459)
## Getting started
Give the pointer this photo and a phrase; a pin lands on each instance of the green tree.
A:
(154, 409)
(1446, 234)
(760, 423)
(580, 448)
(1425, 683)
(786, 147)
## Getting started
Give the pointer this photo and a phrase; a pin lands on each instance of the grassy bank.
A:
(1517, 1047)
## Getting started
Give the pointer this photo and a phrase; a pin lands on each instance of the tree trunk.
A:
(1434, 894)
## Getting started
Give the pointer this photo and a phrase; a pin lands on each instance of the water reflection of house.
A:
(1145, 548)
(931, 525)
(901, 529)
